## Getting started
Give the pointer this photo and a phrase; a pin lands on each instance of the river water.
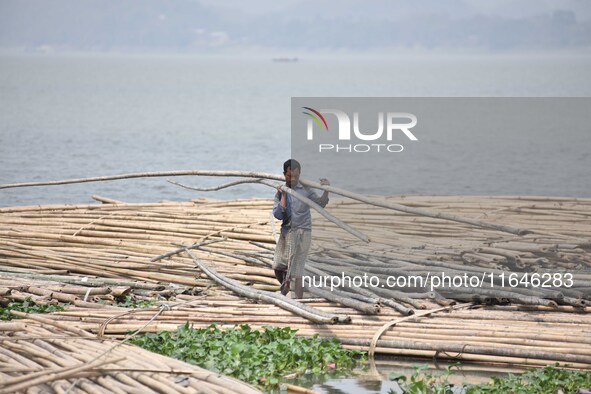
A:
(71, 116)
(377, 378)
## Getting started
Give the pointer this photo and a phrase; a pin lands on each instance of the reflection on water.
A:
(373, 378)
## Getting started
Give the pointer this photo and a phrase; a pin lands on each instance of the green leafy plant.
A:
(27, 306)
(548, 380)
(258, 357)
(131, 302)
(422, 382)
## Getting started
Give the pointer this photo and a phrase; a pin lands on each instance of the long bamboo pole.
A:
(300, 197)
(249, 174)
(274, 298)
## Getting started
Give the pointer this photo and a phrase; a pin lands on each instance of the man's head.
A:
(291, 171)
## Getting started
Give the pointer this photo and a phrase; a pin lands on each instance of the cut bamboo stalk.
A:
(372, 201)
(401, 242)
(276, 299)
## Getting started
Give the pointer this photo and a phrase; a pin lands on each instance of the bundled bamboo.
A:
(494, 334)
(46, 357)
(52, 292)
(110, 245)
(53, 252)
(412, 245)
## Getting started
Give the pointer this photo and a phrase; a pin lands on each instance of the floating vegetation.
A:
(551, 379)
(258, 357)
(132, 302)
(27, 306)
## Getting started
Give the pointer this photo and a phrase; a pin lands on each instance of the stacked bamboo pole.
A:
(114, 242)
(414, 245)
(41, 356)
(496, 334)
(14, 288)
(112, 246)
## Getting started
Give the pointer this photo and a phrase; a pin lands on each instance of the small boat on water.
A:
(285, 60)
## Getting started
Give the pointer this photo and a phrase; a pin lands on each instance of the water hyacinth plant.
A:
(258, 357)
(551, 379)
(27, 306)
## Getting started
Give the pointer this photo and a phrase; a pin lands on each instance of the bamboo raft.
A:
(90, 255)
(38, 355)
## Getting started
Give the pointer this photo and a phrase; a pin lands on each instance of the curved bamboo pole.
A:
(251, 174)
(419, 211)
(247, 174)
(383, 204)
(303, 199)
(218, 187)
(273, 298)
(182, 249)
(473, 349)
(385, 327)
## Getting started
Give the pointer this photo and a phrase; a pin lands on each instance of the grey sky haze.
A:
(208, 26)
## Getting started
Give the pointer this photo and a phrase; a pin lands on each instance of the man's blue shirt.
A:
(296, 213)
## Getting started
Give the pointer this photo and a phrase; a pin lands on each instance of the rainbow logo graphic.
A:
(316, 115)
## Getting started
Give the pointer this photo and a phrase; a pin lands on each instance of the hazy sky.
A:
(393, 8)
(205, 26)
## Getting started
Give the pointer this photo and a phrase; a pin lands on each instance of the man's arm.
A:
(323, 199)
(279, 205)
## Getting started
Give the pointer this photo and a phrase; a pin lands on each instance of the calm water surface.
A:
(376, 379)
(73, 116)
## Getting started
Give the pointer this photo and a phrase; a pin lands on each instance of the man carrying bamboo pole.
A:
(296, 228)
